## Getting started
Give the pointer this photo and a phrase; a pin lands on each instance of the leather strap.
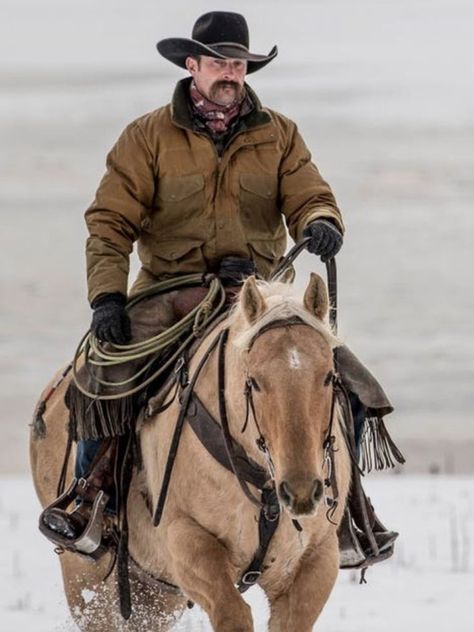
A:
(187, 393)
(267, 525)
(209, 433)
(229, 443)
(331, 272)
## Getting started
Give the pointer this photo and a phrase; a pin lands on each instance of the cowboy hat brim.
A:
(177, 49)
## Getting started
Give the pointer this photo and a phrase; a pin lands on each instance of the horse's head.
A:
(283, 352)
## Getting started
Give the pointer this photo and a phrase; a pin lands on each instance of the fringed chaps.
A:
(377, 448)
(97, 419)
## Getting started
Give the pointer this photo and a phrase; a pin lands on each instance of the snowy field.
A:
(428, 585)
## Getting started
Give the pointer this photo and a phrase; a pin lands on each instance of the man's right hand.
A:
(110, 321)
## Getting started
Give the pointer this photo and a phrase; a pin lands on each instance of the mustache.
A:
(226, 84)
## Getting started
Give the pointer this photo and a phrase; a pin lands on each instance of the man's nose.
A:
(229, 73)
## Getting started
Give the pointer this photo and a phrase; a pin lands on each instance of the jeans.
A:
(85, 454)
(86, 451)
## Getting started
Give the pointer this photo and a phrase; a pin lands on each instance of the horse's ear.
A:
(252, 301)
(316, 298)
(288, 276)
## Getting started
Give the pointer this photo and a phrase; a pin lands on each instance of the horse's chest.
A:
(285, 553)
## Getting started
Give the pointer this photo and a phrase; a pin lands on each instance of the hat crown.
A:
(221, 26)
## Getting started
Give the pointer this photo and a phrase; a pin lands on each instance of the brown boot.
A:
(81, 529)
(363, 539)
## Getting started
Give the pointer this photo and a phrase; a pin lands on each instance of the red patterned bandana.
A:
(216, 117)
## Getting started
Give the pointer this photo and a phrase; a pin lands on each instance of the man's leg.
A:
(85, 455)
(95, 457)
(94, 468)
(360, 518)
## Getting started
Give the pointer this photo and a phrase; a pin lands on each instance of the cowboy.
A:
(203, 184)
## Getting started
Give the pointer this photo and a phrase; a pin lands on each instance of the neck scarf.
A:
(216, 117)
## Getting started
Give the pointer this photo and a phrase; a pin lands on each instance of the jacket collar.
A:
(181, 113)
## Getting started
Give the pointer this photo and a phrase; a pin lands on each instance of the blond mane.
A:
(282, 301)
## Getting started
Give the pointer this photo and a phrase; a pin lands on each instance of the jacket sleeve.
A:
(122, 202)
(304, 195)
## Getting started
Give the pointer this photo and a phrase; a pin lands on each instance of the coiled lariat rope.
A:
(97, 355)
(192, 325)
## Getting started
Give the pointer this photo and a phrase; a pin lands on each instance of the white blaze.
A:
(294, 357)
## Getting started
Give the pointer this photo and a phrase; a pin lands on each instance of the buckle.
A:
(179, 364)
(250, 577)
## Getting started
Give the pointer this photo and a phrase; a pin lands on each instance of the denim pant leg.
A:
(85, 454)
(86, 451)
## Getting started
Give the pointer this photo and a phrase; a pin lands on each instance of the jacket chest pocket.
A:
(259, 206)
(180, 198)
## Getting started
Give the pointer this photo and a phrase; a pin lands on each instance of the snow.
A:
(429, 582)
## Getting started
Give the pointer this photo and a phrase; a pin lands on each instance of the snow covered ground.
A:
(427, 585)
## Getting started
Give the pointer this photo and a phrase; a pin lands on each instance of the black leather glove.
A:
(326, 239)
(110, 321)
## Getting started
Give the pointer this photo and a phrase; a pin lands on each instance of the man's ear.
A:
(191, 64)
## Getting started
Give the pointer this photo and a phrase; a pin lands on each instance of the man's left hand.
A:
(326, 239)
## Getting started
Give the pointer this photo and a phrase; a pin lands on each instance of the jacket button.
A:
(220, 225)
(173, 196)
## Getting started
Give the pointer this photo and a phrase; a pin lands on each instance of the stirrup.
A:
(356, 550)
(90, 539)
(350, 549)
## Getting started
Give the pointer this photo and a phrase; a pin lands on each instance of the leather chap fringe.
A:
(99, 419)
(377, 448)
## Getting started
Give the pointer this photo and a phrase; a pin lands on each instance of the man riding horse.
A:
(204, 184)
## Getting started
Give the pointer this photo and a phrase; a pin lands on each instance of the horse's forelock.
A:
(282, 302)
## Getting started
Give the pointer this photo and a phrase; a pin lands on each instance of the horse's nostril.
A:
(317, 490)
(285, 493)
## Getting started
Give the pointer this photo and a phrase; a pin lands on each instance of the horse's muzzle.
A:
(301, 497)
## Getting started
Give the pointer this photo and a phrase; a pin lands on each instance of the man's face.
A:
(219, 80)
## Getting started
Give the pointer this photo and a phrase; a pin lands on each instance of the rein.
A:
(331, 272)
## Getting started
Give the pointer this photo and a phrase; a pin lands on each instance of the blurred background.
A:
(383, 95)
(382, 92)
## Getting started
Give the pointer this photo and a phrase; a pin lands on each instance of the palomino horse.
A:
(208, 534)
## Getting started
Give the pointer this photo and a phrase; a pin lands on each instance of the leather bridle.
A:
(251, 385)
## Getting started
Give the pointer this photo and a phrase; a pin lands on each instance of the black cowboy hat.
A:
(216, 34)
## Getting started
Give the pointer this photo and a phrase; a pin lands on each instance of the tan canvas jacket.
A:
(167, 188)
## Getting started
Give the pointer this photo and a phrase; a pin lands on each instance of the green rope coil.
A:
(191, 326)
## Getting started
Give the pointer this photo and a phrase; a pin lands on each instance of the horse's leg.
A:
(202, 570)
(299, 606)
